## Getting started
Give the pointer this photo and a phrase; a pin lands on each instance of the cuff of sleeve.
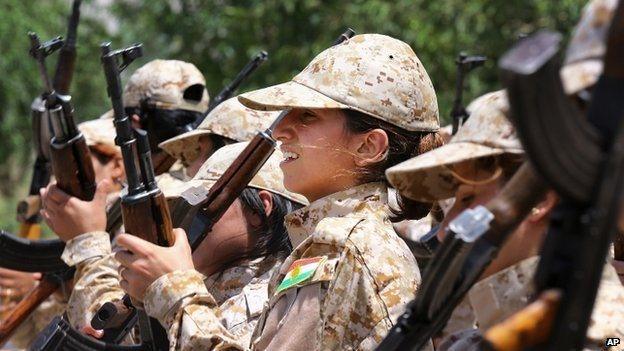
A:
(167, 291)
(86, 246)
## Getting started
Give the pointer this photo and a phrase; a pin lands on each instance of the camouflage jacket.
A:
(343, 286)
(240, 291)
(497, 297)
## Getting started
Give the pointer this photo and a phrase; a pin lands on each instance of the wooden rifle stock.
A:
(526, 328)
(72, 167)
(149, 219)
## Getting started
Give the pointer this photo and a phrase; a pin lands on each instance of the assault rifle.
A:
(586, 221)
(167, 161)
(144, 208)
(70, 159)
(229, 89)
(465, 64)
(198, 214)
(28, 208)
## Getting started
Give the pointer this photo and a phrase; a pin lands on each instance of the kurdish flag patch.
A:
(300, 271)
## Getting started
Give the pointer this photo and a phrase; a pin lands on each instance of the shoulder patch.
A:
(300, 271)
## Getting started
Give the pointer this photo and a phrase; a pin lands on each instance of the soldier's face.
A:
(478, 188)
(318, 155)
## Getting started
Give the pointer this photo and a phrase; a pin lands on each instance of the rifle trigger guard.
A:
(472, 223)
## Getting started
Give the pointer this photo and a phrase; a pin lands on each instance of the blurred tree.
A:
(220, 36)
(21, 83)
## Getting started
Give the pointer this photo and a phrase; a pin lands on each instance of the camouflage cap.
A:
(229, 119)
(487, 132)
(169, 85)
(371, 73)
(583, 61)
(100, 133)
(270, 176)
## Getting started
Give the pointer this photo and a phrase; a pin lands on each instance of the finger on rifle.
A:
(134, 244)
(55, 195)
(10, 273)
(125, 258)
(98, 334)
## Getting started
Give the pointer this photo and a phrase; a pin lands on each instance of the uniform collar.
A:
(357, 202)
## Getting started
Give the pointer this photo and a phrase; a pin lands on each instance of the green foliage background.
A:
(219, 36)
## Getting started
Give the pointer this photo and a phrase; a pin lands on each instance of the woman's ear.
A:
(267, 201)
(371, 147)
(542, 210)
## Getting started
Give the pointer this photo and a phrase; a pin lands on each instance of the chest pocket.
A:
(294, 314)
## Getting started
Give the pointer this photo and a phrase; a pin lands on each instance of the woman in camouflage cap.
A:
(234, 262)
(474, 166)
(356, 109)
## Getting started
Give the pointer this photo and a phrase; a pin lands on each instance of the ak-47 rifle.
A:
(144, 208)
(229, 89)
(465, 64)
(586, 221)
(223, 95)
(472, 241)
(199, 212)
(70, 159)
(28, 209)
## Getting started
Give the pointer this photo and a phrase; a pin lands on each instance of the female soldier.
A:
(237, 259)
(474, 166)
(356, 109)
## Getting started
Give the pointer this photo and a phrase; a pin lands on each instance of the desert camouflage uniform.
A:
(361, 286)
(240, 291)
(502, 294)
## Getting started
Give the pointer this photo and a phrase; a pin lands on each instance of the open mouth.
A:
(289, 156)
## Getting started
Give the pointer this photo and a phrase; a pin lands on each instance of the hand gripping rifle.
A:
(70, 159)
(591, 185)
(28, 209)
(144, 208)
(198, 214)
(465, 64)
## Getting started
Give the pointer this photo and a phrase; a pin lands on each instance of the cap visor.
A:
(287, 95)
(427, 177)
(177, 145)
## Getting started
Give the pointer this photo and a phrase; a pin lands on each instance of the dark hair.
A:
(163, 124)
(271, 235)
(402, 145)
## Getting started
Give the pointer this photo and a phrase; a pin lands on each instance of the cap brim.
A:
(176, 145)
(285, 96)
(580, 75)
(428, 178)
